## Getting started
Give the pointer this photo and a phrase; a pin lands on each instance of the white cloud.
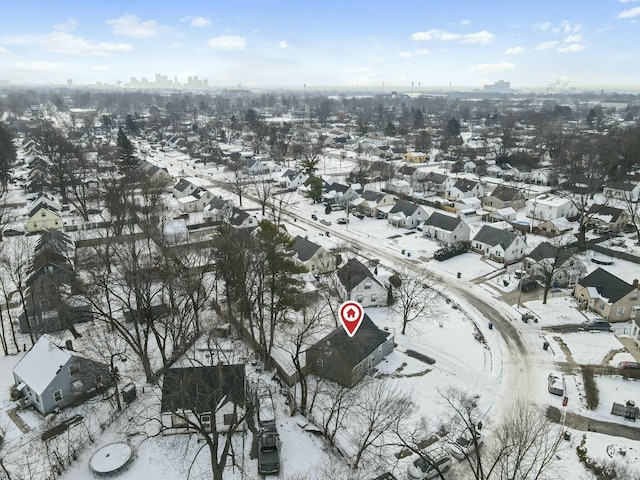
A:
(491, 67)
(542, 26)
(4, 51)
(573, 38)
(628, 1)
(414, 53)
(632, 12)
(572, 48)
(227, 42)
(547, 45)
(68, 44)
(197, 22)
(483, 37)
(283, 44)
(131, 26)
(68, 26)
(514, 50)
(465, 22)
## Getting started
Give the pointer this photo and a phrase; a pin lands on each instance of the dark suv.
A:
(596, 325)
(268, 451)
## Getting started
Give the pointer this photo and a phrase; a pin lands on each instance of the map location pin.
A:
(351, 314)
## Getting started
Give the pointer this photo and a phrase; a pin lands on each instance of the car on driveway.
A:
(325, 222)
(432, 464)
(268, 452)
(342, 221)
(314, 216)
(464, 444)
(596, 325)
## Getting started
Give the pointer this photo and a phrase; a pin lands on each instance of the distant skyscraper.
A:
(498, 87)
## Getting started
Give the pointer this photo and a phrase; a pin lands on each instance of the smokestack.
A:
(635, 283)
(68, 345)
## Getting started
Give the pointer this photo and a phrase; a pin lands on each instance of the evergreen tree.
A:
(126, 151)
(7, 155)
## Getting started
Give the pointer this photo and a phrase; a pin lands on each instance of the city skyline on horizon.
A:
(461, 45)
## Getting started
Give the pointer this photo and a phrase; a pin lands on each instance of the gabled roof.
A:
(305, 248)
(608, 285)
(202, 389)
(43, 206)
(437, 178)
(353, 273)
(407, 170)
(354, 350)
(495, 236)
(404, 206)
(372, 196)
(446, 222)
(465, 185)
(505, 193)
(41, 364)
(602, 211)
(182, 185)
(623, 186)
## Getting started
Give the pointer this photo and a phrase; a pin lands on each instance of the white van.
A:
(556, 385)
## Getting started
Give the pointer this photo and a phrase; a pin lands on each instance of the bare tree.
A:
(414, 295)
(632, 207)
(555, 262)
(15, 262)
(237, 184)
(263, 187)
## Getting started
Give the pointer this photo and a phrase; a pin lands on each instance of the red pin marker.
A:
(351, 315)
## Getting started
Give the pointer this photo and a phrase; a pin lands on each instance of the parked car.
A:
(528, 284)
(12, 232)
(596, 326)
(433, 463)
(556, 384)
(342, 221)
(359, 215)
(629, 365)
(464, 444)
(268, 452)
(325, 222)
(314, 216)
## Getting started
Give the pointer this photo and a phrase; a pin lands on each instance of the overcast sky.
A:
(347, 43)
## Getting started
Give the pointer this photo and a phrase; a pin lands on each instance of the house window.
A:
(380, 349)
(230, 418)
(57, 395)
(620, 311)
(601, 306)
(359, 298)
(320, 362)
(178, 421)
(74, 369)
(206, 421)
(327, 352)
(374, 298)
(367, 285)
(37, 399)
(390, 341)
(634, 295)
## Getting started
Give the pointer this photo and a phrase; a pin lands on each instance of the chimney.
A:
(635, 283)
(68, 345)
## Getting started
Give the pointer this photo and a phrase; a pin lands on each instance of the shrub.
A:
(592, 396)
(453, 250)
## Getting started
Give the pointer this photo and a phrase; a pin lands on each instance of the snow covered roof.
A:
(41, 364)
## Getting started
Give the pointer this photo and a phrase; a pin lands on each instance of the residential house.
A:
(370, 201)
(346, 360)
(623, 190)
(317, 259)
(241, 219)
(340, 194)
(359, 284)
(195, 202)
(465, 188)
(399, 186)
(212, 396)
(566, 266)
(503, 197)
(52, 377)
(606, 217)
(407, 214)
(415, 157)
(548, 206)
(446, 228)
(291, 179)
(397, 153)
(218, 209)
(506, 214)
(501, 245)
(184, 188)
(555, 227)
(609, 296)
(252, 166)
(43, 217)
(45, 199)
(635, 330)
(434, 183)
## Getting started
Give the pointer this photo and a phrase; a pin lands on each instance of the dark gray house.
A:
(347, 360)
(446, 228)
(503, 197)
(52, 377)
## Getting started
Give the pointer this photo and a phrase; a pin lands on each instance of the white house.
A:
(624, 191)
(465, 188)
(501, 245)
(446, 228)
(292, 180)
(548, 206)
(195, 202)
(406, 214)
(361, 285)
(43, 217)
(316, 258)
(184, 188)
